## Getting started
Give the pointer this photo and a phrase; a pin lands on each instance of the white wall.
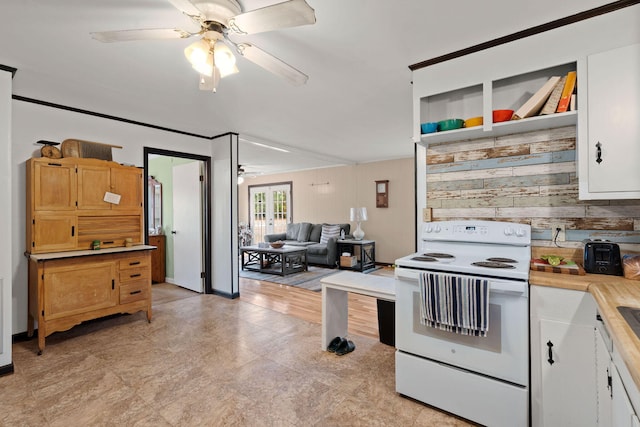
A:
(33, 122)
(224, 251)
(5, 223)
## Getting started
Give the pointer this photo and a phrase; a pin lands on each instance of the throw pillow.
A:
(316, 231)
(329, 231)
(292, 231)
(303, 233)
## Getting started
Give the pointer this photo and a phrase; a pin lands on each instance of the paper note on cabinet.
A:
(112, 198)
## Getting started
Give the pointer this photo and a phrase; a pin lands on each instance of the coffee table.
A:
(282, 261)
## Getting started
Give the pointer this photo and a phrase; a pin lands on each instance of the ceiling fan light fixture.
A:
(200, 57)
(224, 59)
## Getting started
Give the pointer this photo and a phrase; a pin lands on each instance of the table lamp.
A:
(358, 215)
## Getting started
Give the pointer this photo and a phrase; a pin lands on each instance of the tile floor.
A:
(205, 360)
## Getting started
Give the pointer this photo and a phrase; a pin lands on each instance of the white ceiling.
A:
(355, 108)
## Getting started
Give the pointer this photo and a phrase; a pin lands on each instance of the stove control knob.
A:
(437, 229)
(521, 232)
(429, 229)
(508, 231)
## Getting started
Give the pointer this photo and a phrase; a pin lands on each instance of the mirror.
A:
(155, 206)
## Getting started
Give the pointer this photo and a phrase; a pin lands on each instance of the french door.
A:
(269, 209)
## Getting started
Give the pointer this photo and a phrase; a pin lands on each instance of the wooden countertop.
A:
(609, 293)
(72, 254)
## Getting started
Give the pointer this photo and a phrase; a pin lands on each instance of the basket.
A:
(348, 261)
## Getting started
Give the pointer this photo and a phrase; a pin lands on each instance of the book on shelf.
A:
(573, 103)
(534, 104)
(567, 91)
(552, 103)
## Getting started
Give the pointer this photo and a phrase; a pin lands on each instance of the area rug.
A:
(300, 280)
(309, 280)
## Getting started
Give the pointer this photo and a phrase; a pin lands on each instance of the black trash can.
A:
(387, 322)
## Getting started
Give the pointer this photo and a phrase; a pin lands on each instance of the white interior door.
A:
(187, 226)
(269, 210)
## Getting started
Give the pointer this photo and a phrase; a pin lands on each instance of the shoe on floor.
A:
(334, 344)
(345, 347)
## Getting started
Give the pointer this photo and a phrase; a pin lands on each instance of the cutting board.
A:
(562, 269)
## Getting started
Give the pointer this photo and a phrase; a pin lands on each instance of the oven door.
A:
(502, 354)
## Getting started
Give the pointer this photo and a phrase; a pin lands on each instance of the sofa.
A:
(319, 239)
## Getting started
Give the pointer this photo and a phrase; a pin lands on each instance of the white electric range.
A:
(482, 378)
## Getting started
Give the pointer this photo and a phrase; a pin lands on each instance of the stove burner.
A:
(438, 255)
(492, 264)
(424, 258)
(507, 260)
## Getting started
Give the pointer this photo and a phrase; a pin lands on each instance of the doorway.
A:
(186, 215)
(269, 209)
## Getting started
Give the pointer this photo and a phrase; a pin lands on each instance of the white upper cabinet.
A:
(610, 149)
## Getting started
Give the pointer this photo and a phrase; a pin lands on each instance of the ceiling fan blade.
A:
(272, 64)
(186, 7)
(131, 35)
(287, 14)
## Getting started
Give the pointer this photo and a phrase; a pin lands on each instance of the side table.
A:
(363, 250)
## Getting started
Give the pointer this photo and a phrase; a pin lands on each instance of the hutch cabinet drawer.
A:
(134, 274)
(135, 291)
(134, 262)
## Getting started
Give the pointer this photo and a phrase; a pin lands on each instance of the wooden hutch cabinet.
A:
(66, 206)
(71, 203)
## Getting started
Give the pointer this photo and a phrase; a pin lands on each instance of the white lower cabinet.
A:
(603, 378)
(563, 362)
(622, 413)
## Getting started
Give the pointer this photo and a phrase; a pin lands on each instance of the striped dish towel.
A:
(455, 304)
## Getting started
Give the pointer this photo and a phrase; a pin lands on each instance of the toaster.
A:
(602, 257)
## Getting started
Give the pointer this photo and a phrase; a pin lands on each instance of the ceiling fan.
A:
(246, 172)
(210, 55)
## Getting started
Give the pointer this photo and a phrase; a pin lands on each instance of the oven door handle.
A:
(497, 286)
(516, 288)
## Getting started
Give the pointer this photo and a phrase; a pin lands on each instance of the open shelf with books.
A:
(527, 93)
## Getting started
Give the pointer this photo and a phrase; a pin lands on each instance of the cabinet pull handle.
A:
(134, 263)
(73, 230)
(54, 164)
(598, 153)
(550, 359)
(135, 275)
(107, 242)
(135, 292)
(113, 284)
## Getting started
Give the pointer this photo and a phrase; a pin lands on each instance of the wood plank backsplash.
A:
(528, 178)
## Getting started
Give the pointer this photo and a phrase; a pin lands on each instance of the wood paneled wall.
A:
(528, 178)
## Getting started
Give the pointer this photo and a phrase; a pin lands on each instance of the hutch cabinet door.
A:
(53, 233)
(54, 186)
(71, 288)
(127, 182)
(93, 183)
